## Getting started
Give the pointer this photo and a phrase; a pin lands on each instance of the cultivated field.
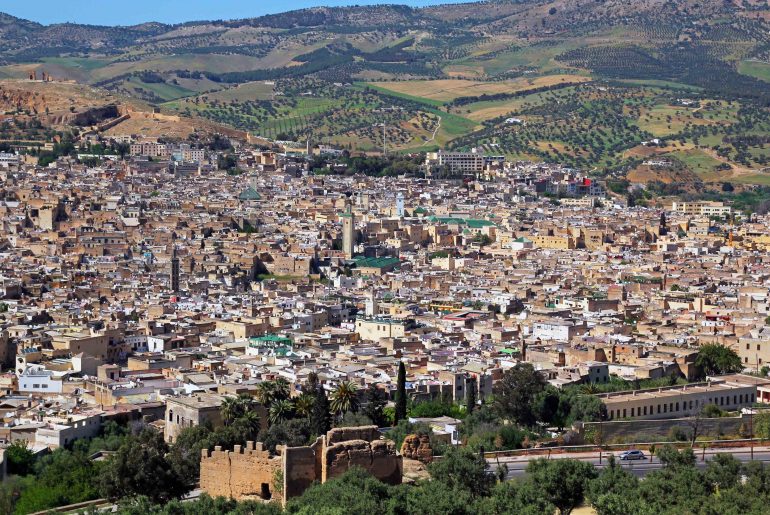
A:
(446, 90)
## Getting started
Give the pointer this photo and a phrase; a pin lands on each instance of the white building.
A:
(36, 379)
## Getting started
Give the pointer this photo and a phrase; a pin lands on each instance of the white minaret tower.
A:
(372, 309)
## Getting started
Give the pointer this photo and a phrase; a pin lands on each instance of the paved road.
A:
(517, 465)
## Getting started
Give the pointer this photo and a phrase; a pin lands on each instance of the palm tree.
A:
(282, 389)
(281, 411)
(345, 398)
(229, 409)
(266, 393)
(251, 424)
(303, 404)
(233, 408)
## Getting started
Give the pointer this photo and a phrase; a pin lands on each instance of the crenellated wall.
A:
(251, 472)
(240, 473)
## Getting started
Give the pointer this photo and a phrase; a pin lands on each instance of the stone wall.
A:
(622, 431)
(250, 472)
(299, 470)
(377, 457)
(240, 473)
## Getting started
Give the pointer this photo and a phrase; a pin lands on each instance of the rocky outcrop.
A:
(417, 447)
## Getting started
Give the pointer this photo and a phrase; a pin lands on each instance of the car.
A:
(631, 455)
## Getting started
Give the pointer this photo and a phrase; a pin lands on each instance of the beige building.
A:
(376, 328)
(727, 392)
(182, 412)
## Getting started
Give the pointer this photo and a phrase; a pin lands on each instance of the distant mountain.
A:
(591, 82)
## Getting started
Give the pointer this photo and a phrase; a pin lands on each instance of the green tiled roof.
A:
(272, 338)
(249, 194)
(381, 262)
(473, 223)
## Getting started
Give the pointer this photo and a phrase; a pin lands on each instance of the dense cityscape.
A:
(370, 278)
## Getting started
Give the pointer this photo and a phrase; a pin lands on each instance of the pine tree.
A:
(401, 394)
(320, 417)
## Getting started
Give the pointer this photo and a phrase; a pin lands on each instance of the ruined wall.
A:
(250, 472)
(360, 447)
(299, 470)
(239, 473)
(344, 434)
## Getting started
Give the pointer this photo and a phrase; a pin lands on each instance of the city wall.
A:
(252, 472)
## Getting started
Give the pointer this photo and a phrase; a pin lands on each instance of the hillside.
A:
(587, 81)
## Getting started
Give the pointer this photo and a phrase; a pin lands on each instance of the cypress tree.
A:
(320, 417)
(470, 399)
(401, 394)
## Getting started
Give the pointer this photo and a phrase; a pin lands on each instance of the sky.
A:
(116, 12)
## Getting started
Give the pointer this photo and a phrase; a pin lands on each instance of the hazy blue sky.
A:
(129, 12)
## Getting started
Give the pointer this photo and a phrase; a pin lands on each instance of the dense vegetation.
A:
(462, 484)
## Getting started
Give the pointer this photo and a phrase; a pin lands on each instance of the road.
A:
(517, 465)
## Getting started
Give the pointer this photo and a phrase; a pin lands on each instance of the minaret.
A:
(372, 309)
(174, 271)
(348, 232)
(400, 205)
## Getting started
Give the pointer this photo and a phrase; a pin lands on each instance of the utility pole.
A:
(751, 431)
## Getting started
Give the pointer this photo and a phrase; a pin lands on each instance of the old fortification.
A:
(417, 447)
(252, 472)
(240, 473)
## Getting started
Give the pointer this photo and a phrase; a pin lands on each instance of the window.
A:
(658, 408)
(171, 415)
(677, 406)
(632, 411)
(624, 412)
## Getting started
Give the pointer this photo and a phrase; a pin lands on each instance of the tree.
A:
(462, 469)
(587, 408)
(345, 398)
(522, 497)
(375, 405)
(723, 471)
(436, 497)
(670, 457)
(303, 404)
(356, 491)
(185, 454)
(320, 418)
(19, 458)
(471, 394)
(140, 467)
(515, 393)
(607, 492)
(266, 393)
(234, 408)
(563, 481)
(282, 389)
(400, 393)
(294, 433)
(715, 359)
(552, 407)
(280, 411)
